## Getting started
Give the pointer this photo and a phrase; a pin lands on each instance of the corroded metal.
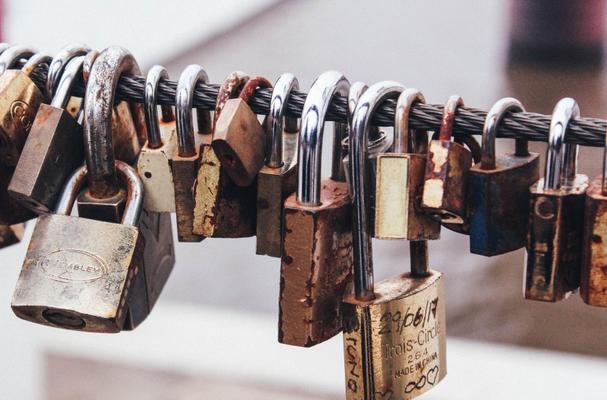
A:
(11, 211)
(593, 282)
(11, 234)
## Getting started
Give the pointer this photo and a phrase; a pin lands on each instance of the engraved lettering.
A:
(72, 265)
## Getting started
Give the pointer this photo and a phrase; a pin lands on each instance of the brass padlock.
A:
(554, 242)
(186, 160)
(498, 189)
(11, 234)
(223, 209)
(400, 180)
(317, 242)
(238, 138)
(53, 149)
(277, 179)
(447, 167)
(154, 163)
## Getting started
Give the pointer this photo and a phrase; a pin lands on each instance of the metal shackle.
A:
(494, 117)
(359, 139)
(403, 141)
(72, 71)
(150, 103)
(561, 159)
(324, 88)
(11, 56)
(133, 206)
(379, 141)
(59, 63)
(4, 47)
(189, 78)
(446, 124)
(279, 122)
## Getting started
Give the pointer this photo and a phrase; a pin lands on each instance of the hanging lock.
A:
(277, 179)
(556, 216)
(317, 243)
(380, 320)
(400, 180)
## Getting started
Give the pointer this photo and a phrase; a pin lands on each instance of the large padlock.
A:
(223, 209)
(277, 179)
(11, 234)
(556, 219)
(400, 180)
(317, 242)
(239, 139)
(447, 167)
(154, 163)
(70, 278)
(186, 160)
(53, 149)
(498, 189)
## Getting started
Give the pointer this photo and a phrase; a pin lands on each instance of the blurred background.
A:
(213, 333)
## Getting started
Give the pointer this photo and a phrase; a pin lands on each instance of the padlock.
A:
(223, 209)
(400, 180)
(70, 278)
(154, 163)
(11, 234)
(186, 160)
(317, 242)
(554, 243)
(447, 166)
(498, 189)
(238, 138)
(277, 179)
(52, 151)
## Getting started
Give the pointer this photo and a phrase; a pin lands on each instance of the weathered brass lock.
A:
(498, 189)
(317, 243)
(70, 279)
(277, 179)
(238, 138)
(554, 242)
(400, 180)
(154, 163)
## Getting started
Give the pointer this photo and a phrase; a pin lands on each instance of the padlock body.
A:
(239, 142)
(52, 151)
(185, 170)
(446, 179)
(395, 345)
(399, 185)
(19, 102)
(11, 211)
(125, 138)
(11, 234)
(554, 241)
(593, 283)
(499, 204)
(71, 279)
(315, 267)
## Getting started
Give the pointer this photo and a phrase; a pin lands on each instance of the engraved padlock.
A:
(498, 189)
(556, 218)
(317, 243)
(400, 180)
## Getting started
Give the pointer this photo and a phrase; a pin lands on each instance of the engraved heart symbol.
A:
(432, 375)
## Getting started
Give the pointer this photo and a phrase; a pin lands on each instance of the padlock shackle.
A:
(34, 62)
(11, 56)
(60, 61)
(189, 78)
(229, 89)
(150, 103)
(418, 253)
(448, 119)
(494, 117)
(403, 142)
(359, 141)
(328, 85)
(379, 141)
(249, 88)
(3, 47)
(561, 158)
(279, 123)
(70, 75)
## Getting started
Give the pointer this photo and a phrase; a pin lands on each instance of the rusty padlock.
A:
(554, 243)
(400, 180)
(498, 189)
(238, 137)
(317, 243)
(277, 179)
(447, 167)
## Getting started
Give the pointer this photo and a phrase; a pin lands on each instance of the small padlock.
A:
(447, 167)
(238, 138)
(53, 149)
(70, 278)
(154, 163)
(11, 234)
(317, 242)
(400, 180)
(554, 243)
(277, 179)
(223, 209)
(498, 189)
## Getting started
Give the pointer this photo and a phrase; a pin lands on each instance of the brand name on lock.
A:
(72, 265)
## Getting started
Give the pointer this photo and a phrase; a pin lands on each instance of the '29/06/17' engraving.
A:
(72, 265)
